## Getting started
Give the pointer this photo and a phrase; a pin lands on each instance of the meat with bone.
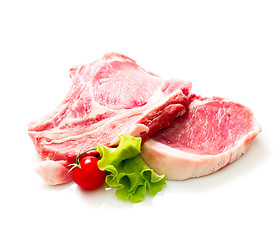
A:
(211, 134)
(108, 97)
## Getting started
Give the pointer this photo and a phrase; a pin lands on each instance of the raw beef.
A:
(108, 97)
(211, 134)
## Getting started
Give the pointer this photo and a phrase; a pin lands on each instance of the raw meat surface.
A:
(211, 134)
(108, 97)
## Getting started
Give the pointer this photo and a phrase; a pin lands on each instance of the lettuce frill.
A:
(127, 171)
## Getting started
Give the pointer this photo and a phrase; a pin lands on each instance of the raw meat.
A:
(211, 134)
(108, 97)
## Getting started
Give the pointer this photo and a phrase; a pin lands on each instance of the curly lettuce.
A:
(127, 171)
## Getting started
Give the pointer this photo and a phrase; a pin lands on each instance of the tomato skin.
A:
(89, 176)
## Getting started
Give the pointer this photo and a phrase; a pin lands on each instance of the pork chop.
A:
(211, 134)
(108, 97)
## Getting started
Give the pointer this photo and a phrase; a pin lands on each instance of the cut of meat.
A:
(211, 134)
(108, 97)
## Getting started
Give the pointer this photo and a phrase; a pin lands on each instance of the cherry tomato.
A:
(88, 176)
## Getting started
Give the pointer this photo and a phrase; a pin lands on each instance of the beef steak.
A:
(108, 97)
(211, 134)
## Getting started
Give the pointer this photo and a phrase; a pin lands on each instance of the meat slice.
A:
(211, 134)
(108, 97)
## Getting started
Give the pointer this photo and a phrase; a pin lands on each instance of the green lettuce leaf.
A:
(127, 171)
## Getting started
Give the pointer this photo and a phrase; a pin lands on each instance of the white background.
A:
(226, 48)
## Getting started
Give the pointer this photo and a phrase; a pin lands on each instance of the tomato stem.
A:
(77, 164)
(80, 154)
